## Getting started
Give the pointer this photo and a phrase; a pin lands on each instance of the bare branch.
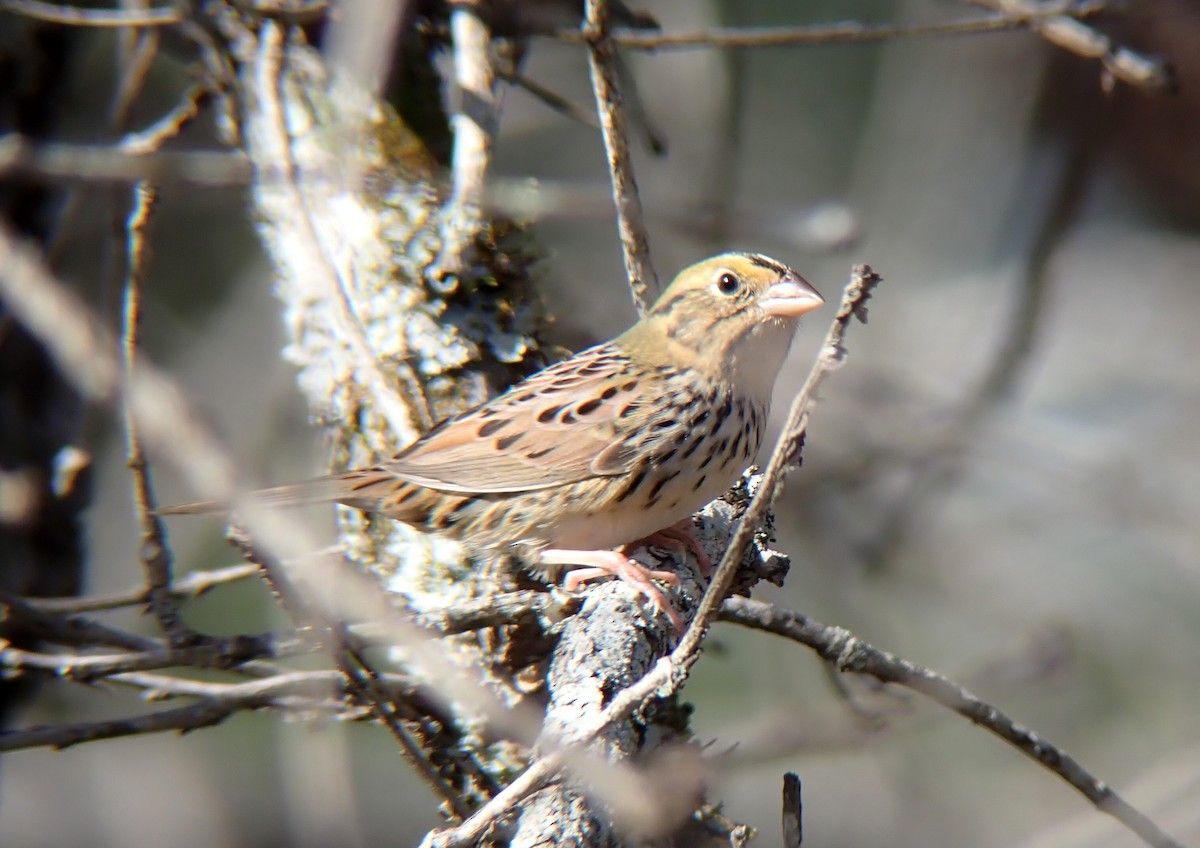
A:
(849, 32)
(1119, 63)
(216, 653)
(1059, 23)
(849, 653)
(66, 630)
(152, 550)
(635, 244)
(152, 138)
(182, 719)
(193, 586)
(307, 691)
(96, 165)
(56, 13)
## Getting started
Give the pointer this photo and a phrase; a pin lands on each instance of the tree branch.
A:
(635, 243)
(849, 653)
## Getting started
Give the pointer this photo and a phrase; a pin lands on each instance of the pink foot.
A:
(679, 536)
(616, 564)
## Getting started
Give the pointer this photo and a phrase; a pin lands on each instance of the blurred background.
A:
(1003, 482)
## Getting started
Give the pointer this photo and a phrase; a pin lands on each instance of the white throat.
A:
(757, 361)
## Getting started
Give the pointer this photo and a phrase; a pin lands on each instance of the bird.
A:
(617, 445)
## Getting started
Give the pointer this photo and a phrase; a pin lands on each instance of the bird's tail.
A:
(318, 490)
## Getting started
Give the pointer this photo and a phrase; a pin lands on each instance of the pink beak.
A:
(791, 297)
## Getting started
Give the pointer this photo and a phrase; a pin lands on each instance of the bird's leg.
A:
(615, 564)
(679, 536)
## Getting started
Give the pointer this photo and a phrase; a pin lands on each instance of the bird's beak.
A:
(791, 297)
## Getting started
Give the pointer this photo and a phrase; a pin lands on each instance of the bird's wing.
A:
(570, 422)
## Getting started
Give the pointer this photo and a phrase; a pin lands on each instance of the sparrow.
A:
(614, 446)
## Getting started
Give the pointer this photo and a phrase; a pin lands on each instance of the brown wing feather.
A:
(567, 423)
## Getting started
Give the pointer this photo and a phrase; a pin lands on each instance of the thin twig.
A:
(1059, 23)
(635, 244)
(847, 32)
(552, 99)
(181, 719)
(152, 550)
(318, 683)
(850, 653)
(55, 13)
(137, 52)
(97, 164)
(152, 138)
(301, 691)
(217, 653)
(20, 614)
(1119, 63)
(193, 586)
(670, 672)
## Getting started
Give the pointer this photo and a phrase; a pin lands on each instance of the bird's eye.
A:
(728, 283)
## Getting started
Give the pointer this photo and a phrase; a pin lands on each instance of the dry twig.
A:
(75, 16)
(192, 586)
(1065, 31)
(153, 549)
(1060, 23)
(849, 653)
(635, 244)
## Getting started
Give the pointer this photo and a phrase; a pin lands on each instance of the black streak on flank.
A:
(547, 414)
(658, 486)
(507, 442)
(633, 484)
(588, 406)
(696, 486)
(723, 412)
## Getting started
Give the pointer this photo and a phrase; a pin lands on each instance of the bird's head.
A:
(732, 316)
